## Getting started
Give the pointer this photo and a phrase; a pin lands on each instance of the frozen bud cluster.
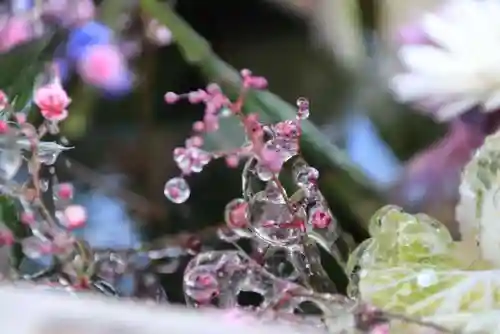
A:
(271, 144)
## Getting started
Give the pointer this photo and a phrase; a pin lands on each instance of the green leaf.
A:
(23, 64)
(342, 182)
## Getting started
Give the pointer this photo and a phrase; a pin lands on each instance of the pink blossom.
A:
(65, 191)
(20, 117)
(16, 31)
(75, 216)
(251, 81)
(27, 218)
(6, 237)
(4, 127)
(232, 161)
(199, 126)
(52, 101)
(171, 97)
(102, 66)
(4, 100)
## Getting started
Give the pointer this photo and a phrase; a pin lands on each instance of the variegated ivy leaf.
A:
(478, 211)
(410, 265)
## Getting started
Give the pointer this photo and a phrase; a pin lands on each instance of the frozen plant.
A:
(286, 225)
(40, 222)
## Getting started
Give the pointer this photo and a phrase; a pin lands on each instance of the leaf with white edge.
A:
(423, 290)
(410, 265)
(477, 212)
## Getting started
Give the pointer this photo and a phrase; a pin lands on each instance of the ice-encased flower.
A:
(460, 66)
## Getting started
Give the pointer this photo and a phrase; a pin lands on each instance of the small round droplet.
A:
(320, 218)
(303, 108)
(177, 190)
(235, 213)
(427, 278)
(201, 285)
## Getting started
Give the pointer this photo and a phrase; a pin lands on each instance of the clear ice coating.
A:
(177, 190)
(284, 232)
(191, 159)
(219, 278)
(302, 108)
(10, 157)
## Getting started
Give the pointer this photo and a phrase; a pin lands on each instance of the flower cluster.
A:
(94, 50)
(45, 222)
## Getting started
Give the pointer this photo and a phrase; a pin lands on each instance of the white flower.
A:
(460, 66)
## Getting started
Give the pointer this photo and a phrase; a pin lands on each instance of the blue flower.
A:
(80, 39)
(91, 33)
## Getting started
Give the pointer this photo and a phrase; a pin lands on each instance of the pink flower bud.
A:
(75, 216)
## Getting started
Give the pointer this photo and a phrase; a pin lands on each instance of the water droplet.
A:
(177, 190)
(235, 213)
(225, 112)
(304, 174)
(263, 173)
(427, 278)
(201, 284)
(303, 108)
(319, 217)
